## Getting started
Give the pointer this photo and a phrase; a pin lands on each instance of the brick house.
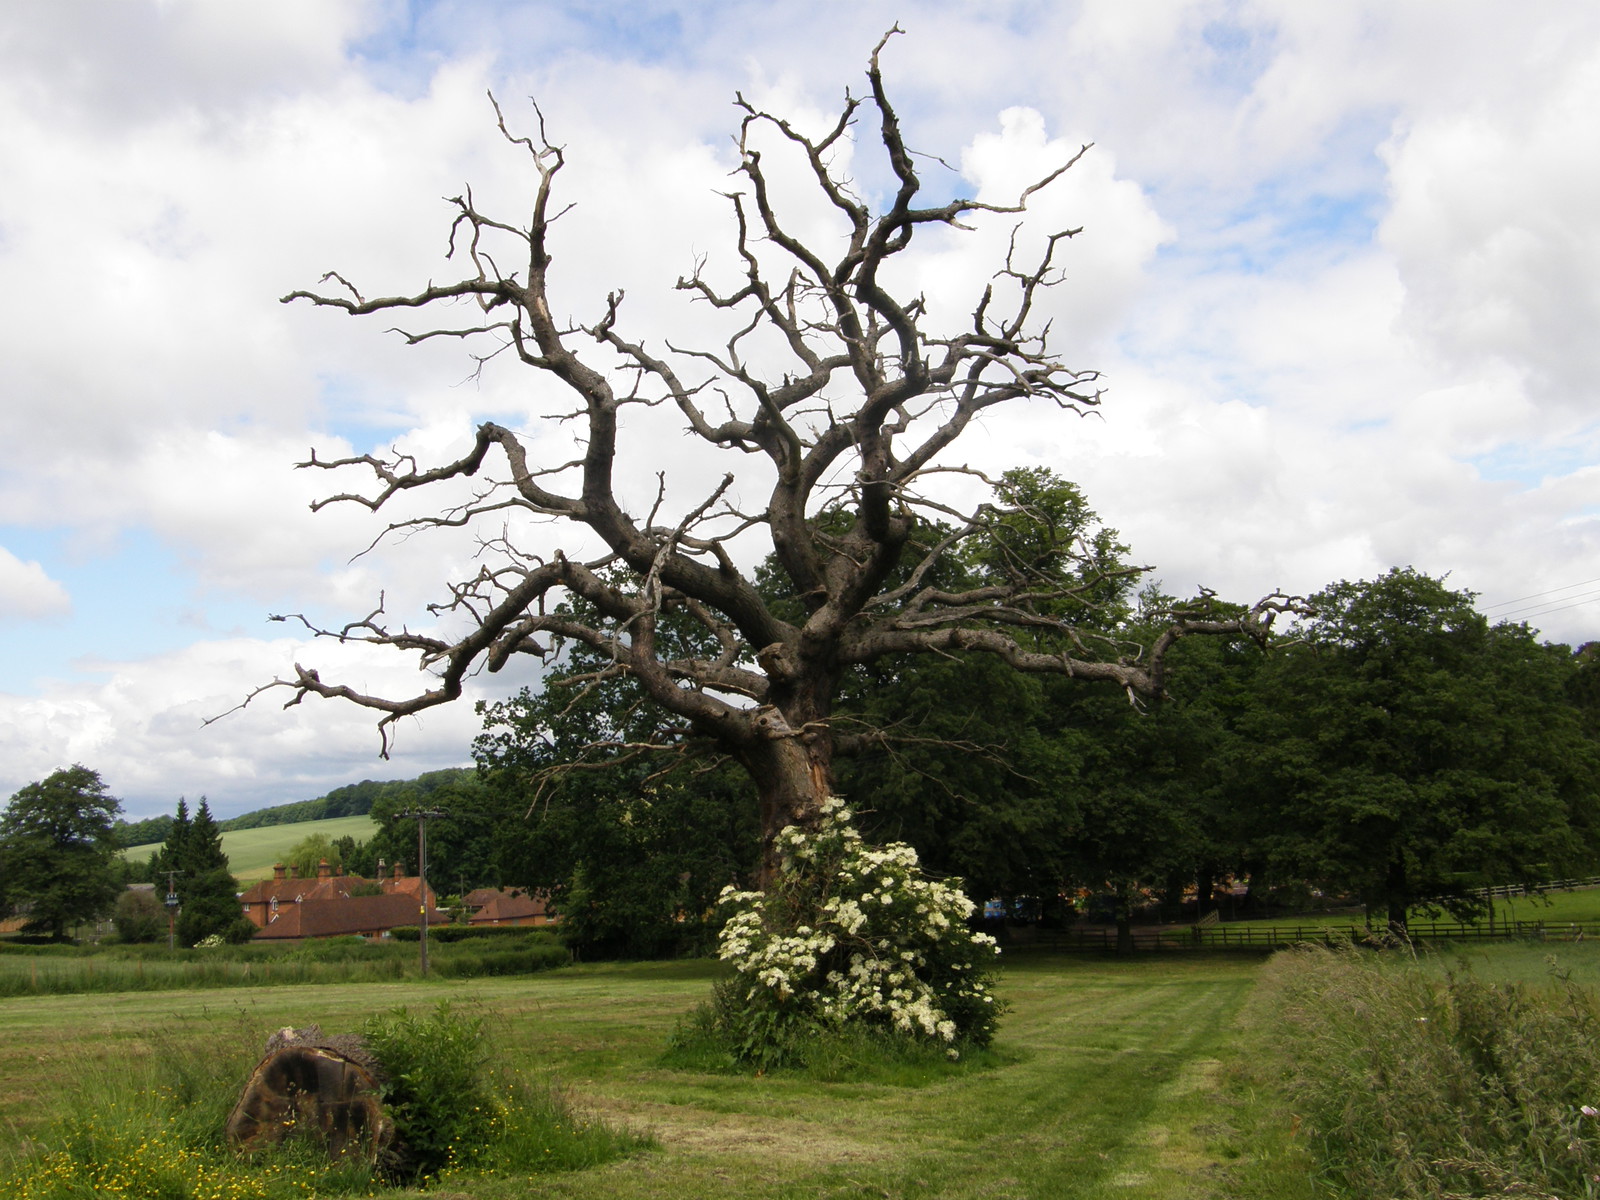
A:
(366, 916)
(506, 906)
(287, 906)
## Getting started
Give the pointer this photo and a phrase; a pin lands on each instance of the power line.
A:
(1536, 595)
(1591, 598)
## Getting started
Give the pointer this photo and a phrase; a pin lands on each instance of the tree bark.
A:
(1125, 918)
(1398, 894)
(1205, 895)
(793, 772)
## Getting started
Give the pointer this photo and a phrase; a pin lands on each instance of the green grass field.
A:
(1118, 1080)
(1155, 1078)
(251, 852)
(1552, 908)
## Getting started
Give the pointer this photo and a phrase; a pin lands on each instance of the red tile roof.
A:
(260, 901)
(367, 915)
(508, 908)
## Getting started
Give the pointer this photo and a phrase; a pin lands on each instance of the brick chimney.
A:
(399, 870)
(294, 871)
(324, 870)
(277, 870)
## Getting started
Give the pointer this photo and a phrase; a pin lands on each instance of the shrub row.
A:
(462, 933)
(332, 960)
(501, 961)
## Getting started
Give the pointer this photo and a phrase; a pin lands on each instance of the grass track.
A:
(1122, 1081)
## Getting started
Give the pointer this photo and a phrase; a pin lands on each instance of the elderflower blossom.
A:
(851, 932)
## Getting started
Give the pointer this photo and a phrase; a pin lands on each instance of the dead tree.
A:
(850, 422)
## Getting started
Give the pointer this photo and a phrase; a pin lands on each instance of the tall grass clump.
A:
(150, 1127)
(1411, 1082)
(456, 1114)
(149, 1124)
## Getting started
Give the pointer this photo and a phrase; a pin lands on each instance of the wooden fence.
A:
(1555, 885)
(1251, 936)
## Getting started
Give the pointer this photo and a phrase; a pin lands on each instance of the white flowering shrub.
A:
(846, 935)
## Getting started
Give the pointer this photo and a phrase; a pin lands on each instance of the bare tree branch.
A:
(846, 396)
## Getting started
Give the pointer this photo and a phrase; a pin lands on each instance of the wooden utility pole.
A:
(172, 909)
(422, 817)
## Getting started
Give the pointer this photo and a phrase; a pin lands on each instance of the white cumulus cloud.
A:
(27, 591)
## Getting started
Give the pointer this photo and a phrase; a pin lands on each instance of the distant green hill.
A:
(251, 852)
(352, 800)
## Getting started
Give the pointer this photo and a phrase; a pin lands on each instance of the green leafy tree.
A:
(171, 861)
(307, 854)
(1155, 790)
(58, 849)
(632, 853)
(1032, 788)
(359, 857)
(965, 768)
(463, 845)
(140, 917)
(1412, 752)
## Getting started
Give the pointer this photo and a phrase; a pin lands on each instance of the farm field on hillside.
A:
(1117, 1080)
(251, 852)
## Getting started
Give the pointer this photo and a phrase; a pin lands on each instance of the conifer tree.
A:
(170, 858)
(211, 900)
(208, 900)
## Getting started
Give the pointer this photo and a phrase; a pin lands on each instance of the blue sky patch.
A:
(1531, 465)
(129, 601)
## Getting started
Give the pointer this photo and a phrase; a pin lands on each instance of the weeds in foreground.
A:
(149, 1126)
(1412, 1083)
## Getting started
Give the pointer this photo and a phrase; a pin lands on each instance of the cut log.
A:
(317, 1087)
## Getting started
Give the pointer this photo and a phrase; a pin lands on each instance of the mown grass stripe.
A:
(1107, 1068)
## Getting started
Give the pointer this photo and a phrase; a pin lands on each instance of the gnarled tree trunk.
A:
(793, 772)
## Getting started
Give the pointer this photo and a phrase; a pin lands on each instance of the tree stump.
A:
(326, 1088)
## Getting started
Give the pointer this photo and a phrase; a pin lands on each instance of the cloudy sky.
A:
(1339, 266)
